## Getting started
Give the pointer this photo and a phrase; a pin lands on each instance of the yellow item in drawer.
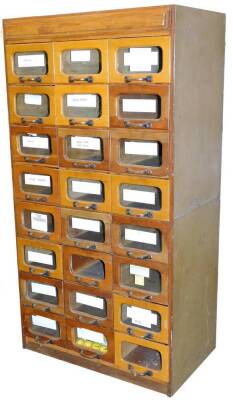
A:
(91, 345)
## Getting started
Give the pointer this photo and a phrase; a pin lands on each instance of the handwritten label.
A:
(85, 142)
(82, 100)
(39, 222)
(35, 142)
(31, 60)
(37, 180)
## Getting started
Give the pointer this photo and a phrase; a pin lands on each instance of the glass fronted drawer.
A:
(37, 184)
(87, 268)
(142, 60)
(29, 63)
(80, 105)
(81, 61)
(87, 150)
(144, 107)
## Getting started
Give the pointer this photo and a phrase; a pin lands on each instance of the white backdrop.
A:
(26, 374)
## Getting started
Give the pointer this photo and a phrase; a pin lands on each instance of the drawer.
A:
(86, 230)
(38, 221)
(141, 358)
(141, 197)
(82, 61)
(141, 319)
(142, 60)
(87, 268)
(85, 190)
(31, 105)
(134, 106)
(41, 293)
(82, 105)
(133, 152)
(88, 305)
(29, 63)
(44, 327)
(140, 239)
(84, 149)
(91, 342)
(40, 258)
(140, 280)
(34, 145)
(36, 183)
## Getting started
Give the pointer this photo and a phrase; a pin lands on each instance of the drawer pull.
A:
(41, 342)
(129, 124)
(147, 78)
(89, 356)
(39, 199)
(88, 284)
(47, 309)
(90, 207)
(44, 274)
(88, 247)
(138, 172)
(133, 372)
(37, 160)
(73, 122)
(37, 236)
(147, 336)
(143, 297)
(32, 121)
(146, 257)
(87, 79)
(88, 320)
(79, 165)
(37, 79)
(146, 214)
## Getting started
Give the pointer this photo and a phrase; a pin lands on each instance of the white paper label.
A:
(139, 196)
(141, 236)
(35, 142)
(87, 334)
(37, 180)
(39, 222)
(92, 301)
(85, 224)
(33, 99)
(31, 60)
(141, 59)
(81, 100)
(142, 148)
(44, 322)
(80, 55)
(139, 105)
(44, 289)
(139, 280)
(36, 256)
(86, 187)
(85, 142)
(140, 271)
(142, 317)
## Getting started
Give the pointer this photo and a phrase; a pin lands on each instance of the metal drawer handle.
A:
(88, 320)
(42, 342)
(146, 257)
(143, 297)
(133, 372)
(79, 165)
(138, 172)
(31, 160)
(129, 124)
(147, 78)
(47, 309)
(37, 79)
(39, 199)
(44, 274)
(32, 121)
(87, 79)
(90, 207)
(89, 122)
(90, 284)
(147, 336)
(32, 234)
(88, 247)
(89, 356)
(146, 214)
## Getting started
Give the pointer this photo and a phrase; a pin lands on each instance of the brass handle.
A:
(41, 342)
(143, 297)
(88, 320)
(132, 255)
(87, 79)
(133, 372)
(147, 336)
(89, 122)
(90, 284)
(36, 235)
(44, 274)
(89, 356)
(129, 124)
(88, 247)
(33, 121)
(90, 207)
(37, 79)
(39, 199)
(79, 165)
(37, 160)
(146, 214)
(37, 306)
(147, 78)
(138, 172)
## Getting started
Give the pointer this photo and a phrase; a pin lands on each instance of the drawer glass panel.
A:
(142, 356)
(139, 59)
(41, 258)
(42, 292)
(31, 63)
(44, 326)
(82, 105)
(139, 106)
(36, 183)
(141, 318)
(141, 238)
(139, 196)
(87, 267)
(87, 229)
(92, 305)
(32, 104)
(91, 340)
(84, 61)
(85, 190)
(138, 152)
(138, 277)
(38, 221)
(84, 148)
(34, 144)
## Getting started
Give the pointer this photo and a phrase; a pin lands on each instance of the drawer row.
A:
(96, 105)
(94, 191)
(100, 61)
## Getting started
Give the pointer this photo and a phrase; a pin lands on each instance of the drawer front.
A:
(88, 268)
(29, 63)
(38, 221)
(142, 358)
(133, 152)
(81, 105)
(84, 149)
(140, 281)
(141, 60)
(141, 319)
(37, 184)
(140, 239)
(83, 61)
(34, 145)
(141, 197)
(44, 327)
(86, 230)
(85, 190)
(90, 342)
(40, 258)
(88, 305)
(144, 107)
(31, 105)
(41, 293)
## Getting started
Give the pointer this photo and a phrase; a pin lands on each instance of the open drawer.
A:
(87, 268)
